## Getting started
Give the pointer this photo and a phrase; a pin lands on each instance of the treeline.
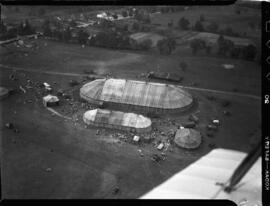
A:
(212, 27)
(24, 28)
(225, 48)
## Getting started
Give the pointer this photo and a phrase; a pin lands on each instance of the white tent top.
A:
(198, 180)
(147, 94)
(188, 138)
(50, 98)
(117, 118)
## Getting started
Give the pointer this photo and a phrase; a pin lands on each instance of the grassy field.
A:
(206, 72)
(53, 157)
(222, 15)
(86, 165)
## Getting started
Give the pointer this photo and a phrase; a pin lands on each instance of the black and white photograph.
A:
(131, 102)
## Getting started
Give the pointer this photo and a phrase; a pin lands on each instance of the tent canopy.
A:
(188, 138)
(117, 118)
(146, 94)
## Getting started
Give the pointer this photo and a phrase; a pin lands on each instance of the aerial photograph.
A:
(131, 102)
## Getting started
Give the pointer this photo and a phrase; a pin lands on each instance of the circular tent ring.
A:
(188, 138)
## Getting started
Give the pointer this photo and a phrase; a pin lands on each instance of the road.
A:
(255, 97)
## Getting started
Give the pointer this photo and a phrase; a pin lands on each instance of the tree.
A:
(171, 44)
(235, 53)
(25, 28)
(124, 13)
(251, 25)
(229, 31)
(225, 46)
(202, 18)
(72, 23)
(170, 23)
(212, 27)
(146, 44)
(135, 26)
(198, 26)
(115, 16)
(249, 52)
(196, 45)
(208, 49)
(41, 11)
(3, 27)
(130, 12)
(67, 34)
(183, 23)
(82, 37)
(164, 9)
(183, 65)
(166, 46)
(46, 28)
(17, 9)
(125, 27)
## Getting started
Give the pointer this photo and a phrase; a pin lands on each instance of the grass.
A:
(202, 69)
(83, 164)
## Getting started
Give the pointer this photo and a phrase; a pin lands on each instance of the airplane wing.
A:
(199, 180)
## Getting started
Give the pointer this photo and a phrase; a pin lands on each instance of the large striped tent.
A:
(147, 96)
(117, 120)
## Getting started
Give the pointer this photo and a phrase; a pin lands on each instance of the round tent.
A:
(145, 96)
(117, 120)
(188, 138)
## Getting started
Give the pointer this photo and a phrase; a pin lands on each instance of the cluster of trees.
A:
(63, 34)
(183, 23)
(24, 28)
(142, 17)
(225, 47)
(199, 44)
(213, 27)
(137, 27)
(166, 46)
(167, 9)
(110, 40)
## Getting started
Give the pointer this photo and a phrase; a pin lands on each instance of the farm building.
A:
(138, 38)
(117, 120)
(138, 95)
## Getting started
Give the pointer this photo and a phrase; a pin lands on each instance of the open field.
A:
(222, 15)
(86, 165)
(55, 155)
(206, 72)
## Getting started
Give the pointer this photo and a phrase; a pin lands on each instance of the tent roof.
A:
(117, 118)
(50, 98)
(187, 138)
(148, 94)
